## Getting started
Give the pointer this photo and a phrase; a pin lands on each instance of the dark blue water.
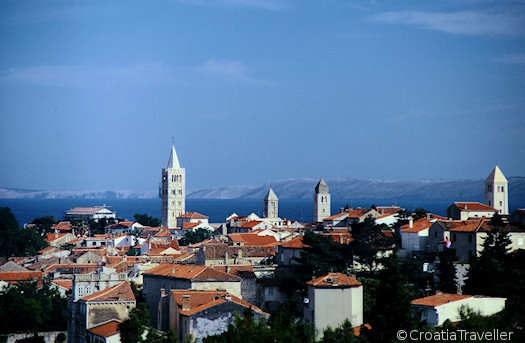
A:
(25, 210)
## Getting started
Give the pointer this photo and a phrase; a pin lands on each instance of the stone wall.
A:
(49, 337)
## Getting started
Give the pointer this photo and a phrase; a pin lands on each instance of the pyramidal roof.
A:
(271, 195)
(496, 175)
(173, 162)
(321, 187)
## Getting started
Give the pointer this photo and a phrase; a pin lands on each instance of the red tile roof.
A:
(107, 329)
(189, 225)
(357, 213)
(339, 237)
(296, 243)
(336, 216)
(193, 215)
(54, 236)
(163, 233)
(251, 224)
(202, 300)
(252, 239)
(439, 299)
(64, 283)
(119, 292)
(474, 207)
(20, 276)
(417, 226)
(64, 226)
(336, 280)
(190, 272)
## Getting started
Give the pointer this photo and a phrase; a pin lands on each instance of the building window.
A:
(501, 203)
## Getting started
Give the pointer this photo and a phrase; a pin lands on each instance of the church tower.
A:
(321, 202)
(497, 191)
(173, 192)
(271, 205)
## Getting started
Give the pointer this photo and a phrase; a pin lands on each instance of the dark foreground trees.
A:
(15, 241)
(27, 308)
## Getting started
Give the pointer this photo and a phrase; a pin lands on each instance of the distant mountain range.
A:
(340, 188)
(16, 193)
(350, 188)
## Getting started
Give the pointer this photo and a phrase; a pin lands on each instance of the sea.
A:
(25, 210)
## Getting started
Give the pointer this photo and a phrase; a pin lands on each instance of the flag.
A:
(447, 242)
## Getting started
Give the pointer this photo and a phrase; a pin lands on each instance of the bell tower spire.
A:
(173, 191)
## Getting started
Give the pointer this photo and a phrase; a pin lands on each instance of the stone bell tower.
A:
(497, 191)
(173, 191)
(321, 202)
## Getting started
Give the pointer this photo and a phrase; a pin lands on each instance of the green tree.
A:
(488, 272)
(27, 308)
(44, 224)
(15, 241)
(146, 220)
(368, 239)
(447, 271)
(344, 333)
(134, 328)
(392, 307)
(197, 236)
(420, 213)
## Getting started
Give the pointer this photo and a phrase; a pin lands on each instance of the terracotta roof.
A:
(64, 283)
(190, 272)
(474, 207)
(251, 223)
(335, 216)
(193, 215)
(417, 226)
(218, 250)
(252, 239)
(336, 280)
(65, 225)
(54, 236)
(296, 243)
(163, 233)
(439, 299)
(238, 270)
(73, 267)
(20, 276)
(388, 209)
(202, 300)
(190, 225)
(119, 292)
(339, 237)
(126, 223)
(107, 329)
(358, 212)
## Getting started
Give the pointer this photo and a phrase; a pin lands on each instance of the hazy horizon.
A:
(252, 91)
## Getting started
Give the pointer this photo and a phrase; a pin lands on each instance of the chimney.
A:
(410, 222)
(226, 257)
(227, 268)
(162, 292)
(186, 302)
(341, 209)
(428, 216)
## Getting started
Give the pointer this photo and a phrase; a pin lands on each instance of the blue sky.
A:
(91, 92)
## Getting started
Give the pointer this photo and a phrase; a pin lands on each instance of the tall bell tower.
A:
(497, 191)
(173, 191)
(321, 202)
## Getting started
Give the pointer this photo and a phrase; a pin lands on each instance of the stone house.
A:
(414, 235)
(198, 313)
(177, 276)
(288, 252)
(438, 308)
(469, 210)
(331, 300)
(223, 254)
(467, 237)
(113, 303)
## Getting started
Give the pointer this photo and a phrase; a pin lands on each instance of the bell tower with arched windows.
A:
(173, 191)
(321, 202)
(497, 191)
